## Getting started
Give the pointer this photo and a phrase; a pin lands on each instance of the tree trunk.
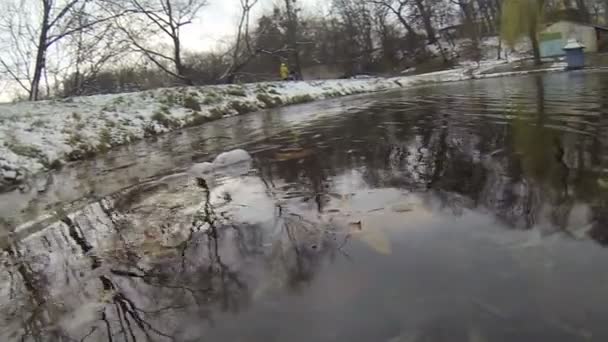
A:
(533, 32)
(470, 20)
(499, 52)
(76, 86)
(535, 45)
(407, 26)
(292, 35)
(177, 59)
(583, 10)
(40, 52)
(426, 20)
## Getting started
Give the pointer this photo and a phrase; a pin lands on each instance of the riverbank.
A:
(39, 136)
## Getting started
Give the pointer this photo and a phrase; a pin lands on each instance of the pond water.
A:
(469, 211)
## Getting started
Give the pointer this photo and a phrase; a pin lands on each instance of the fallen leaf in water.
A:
(401, 207)
(155, 249)
(475, 335)
(335, 195)
(375, 239)
(355, 225)
(291, 149)
(292, 154)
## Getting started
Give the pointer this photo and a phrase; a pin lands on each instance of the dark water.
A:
(471, 211)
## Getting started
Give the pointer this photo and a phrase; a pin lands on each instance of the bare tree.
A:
(163, 18)
(17, 45)
(398, 8)
(90, 52)
(387, 34)
(33, 30)
(425, 11)
(292, 34)
(242, 52)
(357, 26)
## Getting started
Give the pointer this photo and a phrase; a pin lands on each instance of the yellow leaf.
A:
(355, 225)
(375, 239)
(401, 207)
(292, 154)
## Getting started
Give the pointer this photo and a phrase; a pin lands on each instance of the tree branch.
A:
(54, 38)
(14, 76)
(153, 16)
(63, 12)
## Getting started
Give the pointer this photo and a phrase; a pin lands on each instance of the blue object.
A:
(575, 57)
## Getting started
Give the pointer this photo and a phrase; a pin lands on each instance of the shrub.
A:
(54, 164)
(191, 103)
(149, 130)
(105, 140)
(119, 100)
(216, 113)
(24, 150)
(211, 98)
(197, 120)
(164, 120)
(169, 99)
(243, 107)
(236, 92)
(80, 152)
(75, 139)
(39, 123)
(270, 101)
(80, 149)
(301, 99)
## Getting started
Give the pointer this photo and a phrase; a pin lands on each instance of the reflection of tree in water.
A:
(22, 278)
(145, 291)
(529, 170)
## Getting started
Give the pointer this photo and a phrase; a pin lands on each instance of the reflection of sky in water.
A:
(445, 277)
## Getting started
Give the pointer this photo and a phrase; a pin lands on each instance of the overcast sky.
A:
(218, 21)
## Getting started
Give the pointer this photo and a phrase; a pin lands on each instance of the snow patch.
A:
(231, 163)
(231, 157)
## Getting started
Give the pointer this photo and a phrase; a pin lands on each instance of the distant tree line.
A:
(60, 48)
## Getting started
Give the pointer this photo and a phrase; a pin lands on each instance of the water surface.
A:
(469, 211)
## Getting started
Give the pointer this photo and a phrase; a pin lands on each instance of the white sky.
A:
(218, 21)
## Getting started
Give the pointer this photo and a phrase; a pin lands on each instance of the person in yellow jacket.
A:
(284, 72)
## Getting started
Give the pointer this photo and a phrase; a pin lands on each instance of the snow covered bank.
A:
(37, 136)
